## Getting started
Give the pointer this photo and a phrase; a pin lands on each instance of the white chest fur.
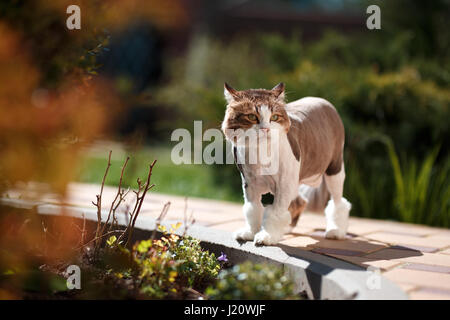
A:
(286, 166)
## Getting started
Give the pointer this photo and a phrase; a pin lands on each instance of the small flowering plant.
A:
(222, 257)
(196, 267)
(156, 269)
(165, 267)
(252, 281)
(224, 261)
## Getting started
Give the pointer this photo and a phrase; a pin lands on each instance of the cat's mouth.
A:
(264, 132)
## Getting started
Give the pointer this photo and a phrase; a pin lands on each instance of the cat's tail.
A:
(309, 199)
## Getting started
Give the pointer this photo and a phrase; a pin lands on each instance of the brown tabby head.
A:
(259, 109)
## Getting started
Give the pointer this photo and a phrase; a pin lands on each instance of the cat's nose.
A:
(265, 129)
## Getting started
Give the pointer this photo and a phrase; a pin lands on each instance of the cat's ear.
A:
(278, 90)
(229, 92)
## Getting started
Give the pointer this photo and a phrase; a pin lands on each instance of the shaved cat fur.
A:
(310, 170)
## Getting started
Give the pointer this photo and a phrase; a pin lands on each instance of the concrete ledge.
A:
(322, 277)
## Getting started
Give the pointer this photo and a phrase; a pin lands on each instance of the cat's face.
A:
(256, 109)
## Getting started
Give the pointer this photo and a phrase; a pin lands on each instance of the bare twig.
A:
(140, 201)
(119, 197)
(82, 230)
(122, 196)
(188, 221)
(111, 224)
(132, 213)
(127, 214)
(160, 218)
(99, 198)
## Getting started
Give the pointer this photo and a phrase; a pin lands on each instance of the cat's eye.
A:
(252, 117)
(274, 117)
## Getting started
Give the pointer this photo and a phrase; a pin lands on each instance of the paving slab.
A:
(384, 265)
(426, 241)
(414, 257)
(420, 278)
(430, 294)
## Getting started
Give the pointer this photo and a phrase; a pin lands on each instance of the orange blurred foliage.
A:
(115, 14)
(42, 130)
(43, 127)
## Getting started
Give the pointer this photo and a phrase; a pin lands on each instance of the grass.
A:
(408, 190)
(184, 180)
(422, 192)
(419, 191)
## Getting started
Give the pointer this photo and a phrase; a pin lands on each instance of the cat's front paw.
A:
(336, 234)
(265, 238)
(244, 234)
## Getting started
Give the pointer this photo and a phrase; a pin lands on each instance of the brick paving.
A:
(415, 257)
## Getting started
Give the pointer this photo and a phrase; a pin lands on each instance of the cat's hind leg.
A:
(338, 208)
(296, 208)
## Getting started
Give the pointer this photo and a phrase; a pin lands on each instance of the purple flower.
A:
(223, 257)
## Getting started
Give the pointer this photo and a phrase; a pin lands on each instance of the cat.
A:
(310, 141)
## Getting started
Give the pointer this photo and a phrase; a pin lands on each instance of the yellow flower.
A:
(111, 240)
(143, 246)
(176, 226)
(172, 276)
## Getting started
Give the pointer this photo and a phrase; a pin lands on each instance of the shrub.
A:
(156, 268)
(196, 266)
(252, 281)
(162, 267)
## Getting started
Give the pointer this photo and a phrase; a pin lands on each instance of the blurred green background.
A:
(391, 87)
